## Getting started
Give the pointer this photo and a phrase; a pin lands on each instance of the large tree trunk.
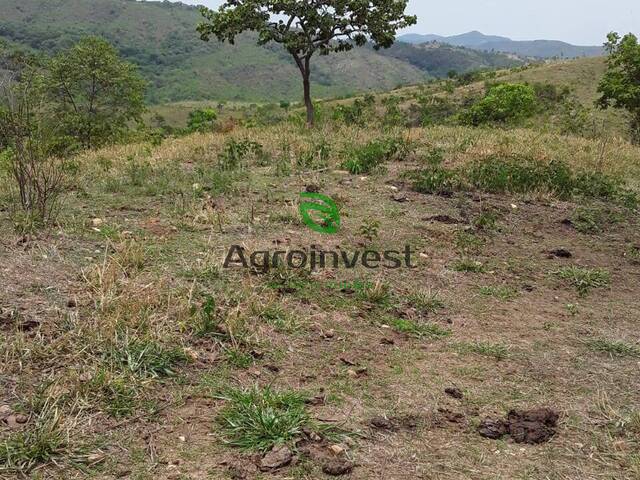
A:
(307, 99)
(305, 70)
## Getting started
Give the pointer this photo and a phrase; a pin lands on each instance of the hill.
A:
(160, 38)
(488, 43)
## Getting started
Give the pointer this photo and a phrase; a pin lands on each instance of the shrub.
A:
(503, 103)
(367, 158)
(235, 154)
(34, 152)
(202, 120)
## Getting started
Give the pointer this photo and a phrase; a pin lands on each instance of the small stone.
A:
(336, 449)
(337, 467)
(454, 392)
(278, 457)
(96, 222)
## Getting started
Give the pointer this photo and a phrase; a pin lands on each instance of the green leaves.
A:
(620, 86)
(94, 93)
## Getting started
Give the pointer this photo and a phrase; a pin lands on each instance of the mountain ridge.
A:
(528, 48)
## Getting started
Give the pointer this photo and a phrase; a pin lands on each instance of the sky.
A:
(581, 22)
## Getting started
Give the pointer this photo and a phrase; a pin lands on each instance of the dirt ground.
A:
(517, 335)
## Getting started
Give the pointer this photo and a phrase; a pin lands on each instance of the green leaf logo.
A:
(325, 209)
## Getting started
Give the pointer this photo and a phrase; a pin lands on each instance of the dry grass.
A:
(125, 308)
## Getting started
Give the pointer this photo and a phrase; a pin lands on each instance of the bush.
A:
(522, 175)
(34, 152)
(503, 103)
(367, 158)
(202, 120)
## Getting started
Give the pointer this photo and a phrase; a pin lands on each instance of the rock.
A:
(454, 392)
(336, 449)
(278, 457)
(337, 467)
(560, 253)
(493, 429)
(381, 423)
(446, 219)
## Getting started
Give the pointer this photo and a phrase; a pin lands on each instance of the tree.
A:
(95, 93)
(307, 27)
(620, 86)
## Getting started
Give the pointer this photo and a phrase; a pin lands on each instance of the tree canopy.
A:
(95, 93)
(304, 28)
(620, 86)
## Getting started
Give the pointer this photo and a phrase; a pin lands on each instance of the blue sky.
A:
(584, 22)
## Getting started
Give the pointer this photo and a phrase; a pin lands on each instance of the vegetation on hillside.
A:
(160, 38)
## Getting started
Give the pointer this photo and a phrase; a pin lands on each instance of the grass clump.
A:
(42, 442)
(147, 358)
(593, 220)
(502, 292)
(259, 418)
(615, 348)
(585, 279)
(426, 301)
(468, 265)
(419, 330)
(493, 350)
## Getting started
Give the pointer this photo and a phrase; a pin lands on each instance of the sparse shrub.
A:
(503, 103)
(585, 279)
(316, 157)
(357, 113)
(33, 153)
(235, 154)
(393, 116)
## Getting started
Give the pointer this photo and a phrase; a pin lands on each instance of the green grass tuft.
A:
(585, 279)
(257, 419)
